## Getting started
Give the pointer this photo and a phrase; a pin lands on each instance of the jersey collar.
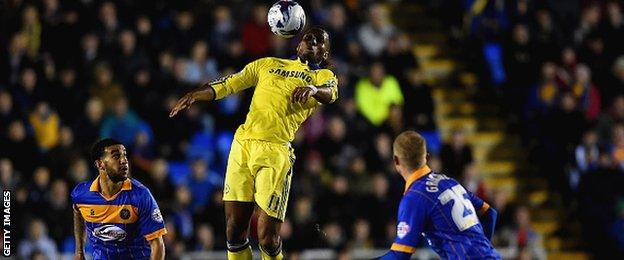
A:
(312, 66)
(420, 172)
(95, 185)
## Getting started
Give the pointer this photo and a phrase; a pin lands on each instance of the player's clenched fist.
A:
(301, 94)
(184, 102)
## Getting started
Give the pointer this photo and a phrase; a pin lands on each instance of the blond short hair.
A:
(411, 148)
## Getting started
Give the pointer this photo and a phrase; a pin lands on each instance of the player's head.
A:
(109, 156)
(410, 151)
(314, 46)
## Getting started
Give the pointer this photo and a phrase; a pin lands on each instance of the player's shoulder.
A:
(325, 73)
(268, 61)
(81, 189)
(325, 77)
(448, 182)
(82, 193)
(260, 63)
(139, 193)
(138, 186)
(417, 195)
(421, 189)
(435, 182)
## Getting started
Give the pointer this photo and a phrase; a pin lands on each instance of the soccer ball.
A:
(286, 18)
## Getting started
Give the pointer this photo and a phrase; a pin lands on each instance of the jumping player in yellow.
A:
(259, 166)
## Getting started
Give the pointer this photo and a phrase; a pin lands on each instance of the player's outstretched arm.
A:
(204, 93)
(80, 235)
(221, 87)
(157, 246)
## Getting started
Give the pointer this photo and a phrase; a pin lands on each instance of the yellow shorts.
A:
(259, 171)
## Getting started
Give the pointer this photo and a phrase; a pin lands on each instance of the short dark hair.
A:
(320, 32)
(97, 150)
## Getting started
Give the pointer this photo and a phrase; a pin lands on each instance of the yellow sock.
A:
(266, 256)
(244, 254)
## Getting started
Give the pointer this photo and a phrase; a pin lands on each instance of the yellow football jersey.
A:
(272, 116)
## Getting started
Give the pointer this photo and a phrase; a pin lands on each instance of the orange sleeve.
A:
(156, 234)
(484, 208)
(403, 248)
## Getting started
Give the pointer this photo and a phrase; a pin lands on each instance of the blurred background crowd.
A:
(557, 68)
(74, 71)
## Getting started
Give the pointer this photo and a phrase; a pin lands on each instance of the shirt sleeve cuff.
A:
(156, 234)
(403, 248)
(334, 95)
(220, 91)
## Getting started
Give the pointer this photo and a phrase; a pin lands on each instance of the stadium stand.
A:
(520, 100)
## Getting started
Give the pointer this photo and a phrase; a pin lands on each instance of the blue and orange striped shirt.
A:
(119, 227)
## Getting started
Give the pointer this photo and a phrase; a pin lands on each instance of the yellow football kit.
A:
(260, 161)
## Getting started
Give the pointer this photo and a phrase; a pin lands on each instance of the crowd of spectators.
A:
(558, 69)
(72, 72)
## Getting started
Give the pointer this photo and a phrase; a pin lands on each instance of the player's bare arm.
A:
(157, 245)
(322, 94)
(203, 93)
(80, 235)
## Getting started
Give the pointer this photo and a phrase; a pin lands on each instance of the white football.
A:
(286, 18)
